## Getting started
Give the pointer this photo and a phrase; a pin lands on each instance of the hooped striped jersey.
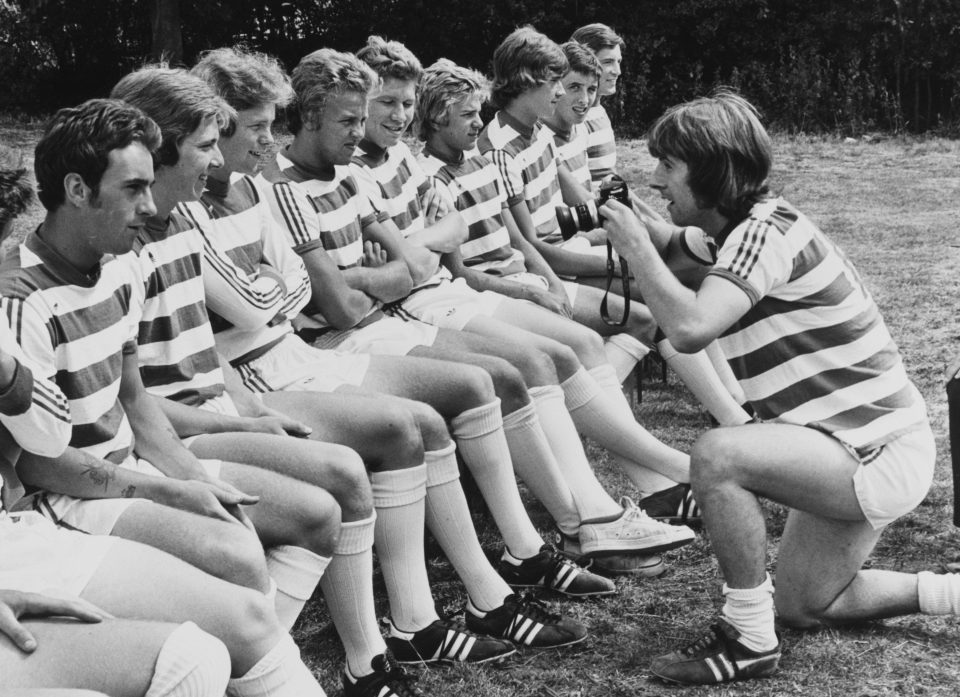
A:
(315, 213)
(177, 351)
(813, 349)
(76, 328)
(473, 188)
(526, 160)
(571, 148)
(253, 315)
(601, 143)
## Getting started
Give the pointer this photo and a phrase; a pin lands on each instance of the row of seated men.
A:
(264, 363)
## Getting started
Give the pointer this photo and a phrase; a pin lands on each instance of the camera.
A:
(585, 216)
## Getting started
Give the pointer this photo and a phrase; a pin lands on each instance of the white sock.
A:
(697, 373)
(591, 498)
(296, 571)
(623, 353)
(750, 611)
(281, 673)
(348, 589)
(535, 464)
(191, 663)
(724, 372)
(645, 479)
(939, 594)
(613, 427)
(483, 445)
(449, 521)
(398, 535)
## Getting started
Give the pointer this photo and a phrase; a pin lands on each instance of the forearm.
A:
(568, 263)
(386, 283)
(157, 441)
(443, 236)
(80, 474)
(191, 421)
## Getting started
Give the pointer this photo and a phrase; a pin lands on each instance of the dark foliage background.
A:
(841, 66)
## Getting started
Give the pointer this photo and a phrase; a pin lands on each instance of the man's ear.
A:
(76, 191)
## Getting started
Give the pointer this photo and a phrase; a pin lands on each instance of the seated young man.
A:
(238, 227)
(844, 443)
(497, 257)
(394, 181)
(313, 185)
(94, 167)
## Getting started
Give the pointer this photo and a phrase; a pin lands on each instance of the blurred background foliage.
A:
(842, 66)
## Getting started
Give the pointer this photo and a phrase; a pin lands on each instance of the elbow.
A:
(688, 340)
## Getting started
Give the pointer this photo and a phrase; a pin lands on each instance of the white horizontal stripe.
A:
(186, 343)
(487, 243)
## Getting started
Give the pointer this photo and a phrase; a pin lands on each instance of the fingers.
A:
(18, 634)
(240, 516)
(227, 494)
(78, 608)
(296, 428)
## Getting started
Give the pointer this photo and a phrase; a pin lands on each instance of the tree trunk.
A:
(167, 40)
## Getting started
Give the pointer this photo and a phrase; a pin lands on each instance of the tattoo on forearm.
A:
(99, 475)
(129, 492)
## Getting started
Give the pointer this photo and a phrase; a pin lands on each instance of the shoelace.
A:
(560, 559)
(530, 606)
(704, 642)
(400, 680)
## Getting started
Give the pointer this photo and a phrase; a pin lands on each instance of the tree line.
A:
(844, 66)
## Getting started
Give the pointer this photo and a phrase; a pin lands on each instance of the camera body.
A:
(586, 216)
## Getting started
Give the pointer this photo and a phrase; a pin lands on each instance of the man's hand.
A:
(277, 424)
(374, 255)
(557, 303)
(212, 498)
(434, 207)
(626, 231)
(17, 604)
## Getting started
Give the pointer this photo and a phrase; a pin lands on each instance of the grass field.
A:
(892, 205)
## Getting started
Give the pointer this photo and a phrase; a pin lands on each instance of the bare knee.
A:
(317, 522)
(509, 383)
(398, 443)
(713, 458)
(248, 627)
(588, 347)
(641, 325)
(565, 359)
(349, 484)
(235, 555)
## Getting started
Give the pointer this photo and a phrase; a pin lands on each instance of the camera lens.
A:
(582, 217)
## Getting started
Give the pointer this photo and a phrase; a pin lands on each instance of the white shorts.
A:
(39, 557)
(452, 304)
(295, 365)
(893, 479)
(387, 336)
(100, 516)
(532, 279)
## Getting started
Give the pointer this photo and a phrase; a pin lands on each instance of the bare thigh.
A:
(135, 581)
(379, 428)
(586, 311)
(334, 467)
(115, 656)
(537, 320)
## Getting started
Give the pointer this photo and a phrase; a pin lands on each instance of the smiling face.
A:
(390, 111)
(461, 130)
(250, 145)
(610, 60)
(199, 156)
(116, 214)
(580, 91)
(340, 128)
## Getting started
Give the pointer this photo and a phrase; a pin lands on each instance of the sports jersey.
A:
(526, 160)
(813, 349)
(571, 148)
(252, 315)
(472, 186)
(601, 143)
(315, 213)
(76, 327)
(177, 353)
(395, 184)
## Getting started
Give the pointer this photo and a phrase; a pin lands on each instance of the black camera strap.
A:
(625, 284)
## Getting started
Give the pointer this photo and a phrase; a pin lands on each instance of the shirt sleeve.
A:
(755, 257)
(281, 256)
(295, 214)
(32, 407)
(510, 175)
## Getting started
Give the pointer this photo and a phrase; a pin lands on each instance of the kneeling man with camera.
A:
(843, 440)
